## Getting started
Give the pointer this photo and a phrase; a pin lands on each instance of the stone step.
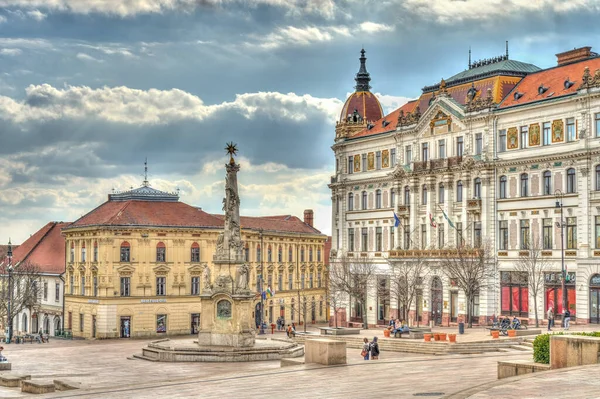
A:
(142, 357)
(13, 380)
(37, 386)
(292, 362)
(66, 385)
(520, 348)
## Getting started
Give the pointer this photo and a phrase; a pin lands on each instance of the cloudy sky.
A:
(90, 88)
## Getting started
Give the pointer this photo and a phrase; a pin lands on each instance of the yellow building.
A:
(134, 266)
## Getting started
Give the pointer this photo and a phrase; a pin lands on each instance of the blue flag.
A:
(397, 223)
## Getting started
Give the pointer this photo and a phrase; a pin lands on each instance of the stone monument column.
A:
(226, 319)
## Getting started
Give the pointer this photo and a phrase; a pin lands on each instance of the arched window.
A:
(406, 195)
(547, 182)
(258, 252)
(597, 177)
(351, 201)
(424, 195)
(269, 254)
(524, 185)
(247, 253)
(459, 191)
(72, 253)
(195, 254)
(502, 187)
(161, 252)
(378, 199)
(83, 253)
(441, 193)
(364, 200)
(477, 188)
(571, 188)
(125, 251)
(392, 197)
(96, 251)
(290, 254)
(280, 254)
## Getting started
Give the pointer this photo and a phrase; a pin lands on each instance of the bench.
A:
(339, 331)
(355, 324)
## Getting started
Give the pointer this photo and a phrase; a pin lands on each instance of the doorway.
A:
(437, 296)
(93, 326)
(595, 299)
(195, 319)
(125, 327)
(454, 306)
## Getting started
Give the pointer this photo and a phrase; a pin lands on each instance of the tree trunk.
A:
(469, 311)
(537, 321)
(364, 315)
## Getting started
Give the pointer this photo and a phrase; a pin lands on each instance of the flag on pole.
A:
(264, 295)
(447, 218)
(397, 220)
(269, 292)
(432, 222)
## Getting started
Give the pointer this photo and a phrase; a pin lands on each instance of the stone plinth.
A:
(5, 366)
(325, 351)
(66, 385)
(37, 386)
(519, 367)
(573, 350)
(13, 380)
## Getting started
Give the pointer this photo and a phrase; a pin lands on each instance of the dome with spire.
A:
(362, 105)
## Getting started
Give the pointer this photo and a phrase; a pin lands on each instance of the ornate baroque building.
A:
(488, 147)
(134, 266)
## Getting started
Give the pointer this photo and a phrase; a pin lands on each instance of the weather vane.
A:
(231, 150)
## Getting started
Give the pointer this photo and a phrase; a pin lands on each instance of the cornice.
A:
(554, 157)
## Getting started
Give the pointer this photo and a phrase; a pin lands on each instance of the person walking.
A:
(550, 319)
(365, 349)
(567, 318)
(374, 346)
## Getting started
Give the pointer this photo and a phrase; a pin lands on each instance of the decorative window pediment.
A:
(440, 119)
(195, 270)
(161, 270)
(125, 270)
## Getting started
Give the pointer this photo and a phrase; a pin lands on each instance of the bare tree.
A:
(406, 277)
(352, 276)
(20, 288)
(533, 265)
(336, 300)
(472, 268)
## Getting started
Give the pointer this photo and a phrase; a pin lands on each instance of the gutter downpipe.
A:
(495, 211)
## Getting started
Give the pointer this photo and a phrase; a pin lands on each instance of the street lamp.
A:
(9, 313)
(261, 329)
(559, 204)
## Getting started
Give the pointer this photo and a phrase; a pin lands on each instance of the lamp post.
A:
(9, 313)
(559, 204)
(261, 329)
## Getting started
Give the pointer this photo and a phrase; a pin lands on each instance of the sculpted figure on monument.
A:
(206, 277)
(242, 279)
(220, 240)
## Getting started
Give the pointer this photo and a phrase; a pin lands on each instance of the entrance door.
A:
(93, 326)
(437, 297)
(454, 306)
(595, 299)
(195, 322)
(125, 327)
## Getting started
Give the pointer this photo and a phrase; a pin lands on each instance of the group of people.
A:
(398, 326)
(291, 330)
(370, 349)
(566, 318)
(280, 323)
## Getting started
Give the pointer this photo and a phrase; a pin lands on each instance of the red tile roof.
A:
(392, 118)
(282, 224)
(45, 248)
(366, 103)
(552, 78)
(147, 213)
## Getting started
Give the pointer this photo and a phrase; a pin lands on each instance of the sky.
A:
(91, 88)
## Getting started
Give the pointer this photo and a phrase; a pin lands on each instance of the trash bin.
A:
(461, 328)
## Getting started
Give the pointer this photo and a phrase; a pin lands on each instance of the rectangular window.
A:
(258, 253)
(392, 242)
(478, 143)
(514, 295)
(82, 288)
(195, 285)
(441, 238)
(408, 157)
(364, 162)
(442, 149)
(57, 292)
(95, 285)
(572, 233)
(350, 164)
(459, 233)
(351, 239)
(459, 146)
(125, 254)
(378, 160)
(161, 286)
(81, 320)
(546, 133)
(311, 281)
(161, 253)
(597, 123)
(302, 280)
(547, 233)
(378, 239)
(72, 255)
(425, 147)
(503, 236)
(406, 236)
(195, 254)
(524, 136)
(71, 284)
(95, 253)
(477, 234)
(83, 254)
(290, 281)
(161, 323)
(365, 239)
(45, 290)
(280, 281)
(525, 234)
(571, 129)
(423, 236)
(125, 286)
(393, 157)
(502, 140)
(597, 232)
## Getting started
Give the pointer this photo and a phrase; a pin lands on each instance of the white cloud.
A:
(37, 15)
(110, 49)
(132, 106)
(372, 27)
(2, 19)
(86, 57)
(391, 103)
(11, 51)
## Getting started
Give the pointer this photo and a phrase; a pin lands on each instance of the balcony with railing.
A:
(430, 253)
(474, 205)
(434, 164)
(403, 210)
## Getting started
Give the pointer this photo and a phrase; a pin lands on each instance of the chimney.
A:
(574, 55)
(308, 217)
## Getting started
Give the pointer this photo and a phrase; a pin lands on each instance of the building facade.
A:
(135, 266)
(464, 164)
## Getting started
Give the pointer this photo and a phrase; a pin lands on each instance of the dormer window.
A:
(518, 95)
(568, 84)
(542, 89)
(385, 123)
